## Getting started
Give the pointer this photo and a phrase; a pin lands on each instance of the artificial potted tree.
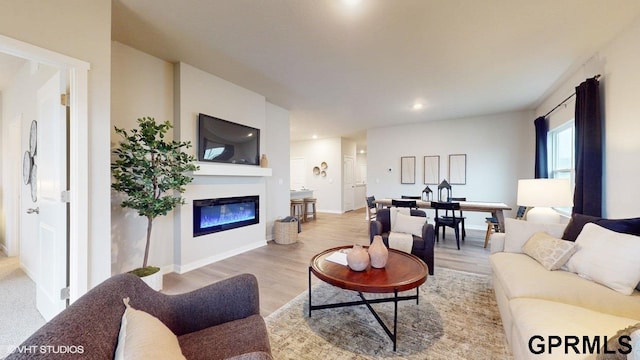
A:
(151, 171)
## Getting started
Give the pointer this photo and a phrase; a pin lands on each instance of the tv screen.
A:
(227, 142)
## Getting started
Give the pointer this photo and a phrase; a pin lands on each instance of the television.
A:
(224, 141)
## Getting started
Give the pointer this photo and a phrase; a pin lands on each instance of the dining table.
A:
(495, 208)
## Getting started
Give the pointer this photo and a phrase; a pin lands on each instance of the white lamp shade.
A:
(544, 193)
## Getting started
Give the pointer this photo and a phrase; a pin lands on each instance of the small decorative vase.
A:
(358, 258)
(263, 161)
(378, 253)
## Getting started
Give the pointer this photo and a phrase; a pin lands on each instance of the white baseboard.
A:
(181, 269)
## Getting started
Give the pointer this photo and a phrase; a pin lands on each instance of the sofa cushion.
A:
(517, 232)
(227, 340)
(535, 318)
(143, 336)
(521, 276)
(549, 251)
(408, 224)
(577, 222)
(607, 257)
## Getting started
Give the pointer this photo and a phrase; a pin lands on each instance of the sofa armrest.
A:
(429, 237)
(227, 300)
(497, 242)
(375, 228)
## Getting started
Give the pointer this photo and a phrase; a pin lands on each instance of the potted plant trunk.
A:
(151, 172)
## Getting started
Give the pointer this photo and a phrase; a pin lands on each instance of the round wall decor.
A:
(33, 138)
(316, 170)
(34, 183)
(27, 166)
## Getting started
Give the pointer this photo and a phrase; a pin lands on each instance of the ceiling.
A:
(343, 66)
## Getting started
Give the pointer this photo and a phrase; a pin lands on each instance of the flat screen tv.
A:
(224, 141)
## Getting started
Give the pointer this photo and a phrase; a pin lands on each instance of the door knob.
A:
(32, 211)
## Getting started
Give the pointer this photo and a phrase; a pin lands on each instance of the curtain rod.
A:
(567, 99)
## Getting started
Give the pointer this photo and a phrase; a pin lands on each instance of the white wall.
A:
(277, 145)
(499, 151)
(620, 86)
(327, 190)
(80, 29)
(141, 85)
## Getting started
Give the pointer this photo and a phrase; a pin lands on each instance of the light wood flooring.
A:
(282, 270)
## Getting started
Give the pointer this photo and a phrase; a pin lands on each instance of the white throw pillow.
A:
(607, 257)
(517, 232)
(394, 211)
(143, 336)
(408, 224)
(549, 251)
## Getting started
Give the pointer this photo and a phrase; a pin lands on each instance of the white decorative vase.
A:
(378, 253)
(154, 280)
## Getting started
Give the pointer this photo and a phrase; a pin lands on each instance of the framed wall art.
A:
(458, 169)
(408, 170)
(431, 169)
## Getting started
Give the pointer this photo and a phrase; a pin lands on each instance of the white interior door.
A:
(348, 181)
(51, 162)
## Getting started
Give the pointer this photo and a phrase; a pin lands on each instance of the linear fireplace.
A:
(213, 215)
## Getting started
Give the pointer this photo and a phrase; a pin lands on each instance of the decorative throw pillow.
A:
(549, 251)
(517, 232)
(143, 336)
(408, 224)
(625, 226)
(607, 257)
(394, 211)
(613, 346)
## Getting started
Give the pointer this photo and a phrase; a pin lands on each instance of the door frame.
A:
(78, 154)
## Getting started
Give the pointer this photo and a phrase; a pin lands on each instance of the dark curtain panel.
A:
(542, 128)
(587, 198)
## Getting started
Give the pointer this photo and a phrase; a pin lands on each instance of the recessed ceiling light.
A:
(352, 2)
(417, 106)
(314, 136)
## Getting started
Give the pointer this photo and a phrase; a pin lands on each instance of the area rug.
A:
(456, 318)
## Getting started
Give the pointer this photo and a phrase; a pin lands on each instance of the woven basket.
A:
(285, 232)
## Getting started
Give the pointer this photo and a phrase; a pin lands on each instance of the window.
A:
(561, 146)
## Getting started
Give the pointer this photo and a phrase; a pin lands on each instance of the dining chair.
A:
(372, 209)
(447, 221)
(455, 199)
(404, 203)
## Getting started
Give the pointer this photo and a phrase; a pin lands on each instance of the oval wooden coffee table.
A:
(402, 272)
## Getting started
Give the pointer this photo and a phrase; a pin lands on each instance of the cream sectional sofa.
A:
(540, 307)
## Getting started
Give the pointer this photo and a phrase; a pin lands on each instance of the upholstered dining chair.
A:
(447, 221)
(422, 246)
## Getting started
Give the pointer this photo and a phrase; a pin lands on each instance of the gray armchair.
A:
(422, 246)
(218, 321)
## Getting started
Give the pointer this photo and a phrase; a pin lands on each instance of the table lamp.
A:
(542, 195)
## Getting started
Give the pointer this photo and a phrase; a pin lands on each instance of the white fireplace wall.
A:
(196, 91)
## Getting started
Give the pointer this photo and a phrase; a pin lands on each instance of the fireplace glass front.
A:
(213, 215)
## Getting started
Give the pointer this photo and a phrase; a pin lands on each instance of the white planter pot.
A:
(154, 280)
